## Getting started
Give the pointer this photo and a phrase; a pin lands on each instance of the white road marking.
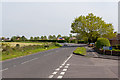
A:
(29, 60)
(59, 77)
(67, 64)
(67, 58)
(51, 76)
(60, 66)
(54, 73)
(62, 73)
(64, 69)
(4, 69)
(57, 69)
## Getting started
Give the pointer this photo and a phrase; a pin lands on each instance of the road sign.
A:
(110, 48)
(105, 48)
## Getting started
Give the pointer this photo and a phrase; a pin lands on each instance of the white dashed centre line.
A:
(62, 73)
(64, 69)
(57, 69)
(54, 73)
(60, 66)
(66, 66)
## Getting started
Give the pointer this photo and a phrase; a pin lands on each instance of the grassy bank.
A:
(9, 52)
(80, 51)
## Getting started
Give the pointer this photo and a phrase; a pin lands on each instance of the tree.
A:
(3, 38)
(50, 37)
(42, 37)
(54, 37)
(14, 38)
(70, 35)
(35, 38)
(92, 27)
(59, 36)
(23, 38)
(66, 38)
(45, 38)
(38, 38)
(31, 38)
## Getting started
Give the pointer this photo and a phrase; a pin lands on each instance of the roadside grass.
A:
(13, 44)
(13, 52)
(80, 51)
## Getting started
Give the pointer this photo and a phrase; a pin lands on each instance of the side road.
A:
(89, 66)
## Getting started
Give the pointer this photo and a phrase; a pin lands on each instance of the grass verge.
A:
(80, 51)
(15, 54)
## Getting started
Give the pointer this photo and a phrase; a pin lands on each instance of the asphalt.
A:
(39, 65)
(61, 63)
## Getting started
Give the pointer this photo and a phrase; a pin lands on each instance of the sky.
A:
(51, 18)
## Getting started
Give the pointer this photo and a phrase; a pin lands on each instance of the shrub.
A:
(17, 45)
(80, 50)
(57, 44)
(102, 42)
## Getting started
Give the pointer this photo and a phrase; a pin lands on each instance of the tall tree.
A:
(92, 27)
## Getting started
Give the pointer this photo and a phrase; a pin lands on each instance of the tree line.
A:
(50, 37)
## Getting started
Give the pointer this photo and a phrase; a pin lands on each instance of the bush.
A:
(80, 50)
(57, 44)
(102, 42)
(82, 41)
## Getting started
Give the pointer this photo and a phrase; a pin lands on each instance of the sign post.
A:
(107, 48)
(110, 48)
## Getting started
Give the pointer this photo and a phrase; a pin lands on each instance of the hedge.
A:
(102, 42)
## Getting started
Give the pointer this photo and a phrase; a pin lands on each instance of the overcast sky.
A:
(45, 18)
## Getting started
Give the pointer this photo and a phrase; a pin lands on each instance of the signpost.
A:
(107, 48)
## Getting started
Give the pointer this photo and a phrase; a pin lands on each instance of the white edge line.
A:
(4, 69)
(29, 60)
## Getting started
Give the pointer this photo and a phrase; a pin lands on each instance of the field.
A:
(13, 44)
(16, 49)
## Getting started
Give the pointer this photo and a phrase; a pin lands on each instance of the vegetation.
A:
(9, 51)
(80, 51)
(102, 42)
(92, 27)
(59, 45)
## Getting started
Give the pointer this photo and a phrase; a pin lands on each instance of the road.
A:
(59, 63)
(39, 65)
